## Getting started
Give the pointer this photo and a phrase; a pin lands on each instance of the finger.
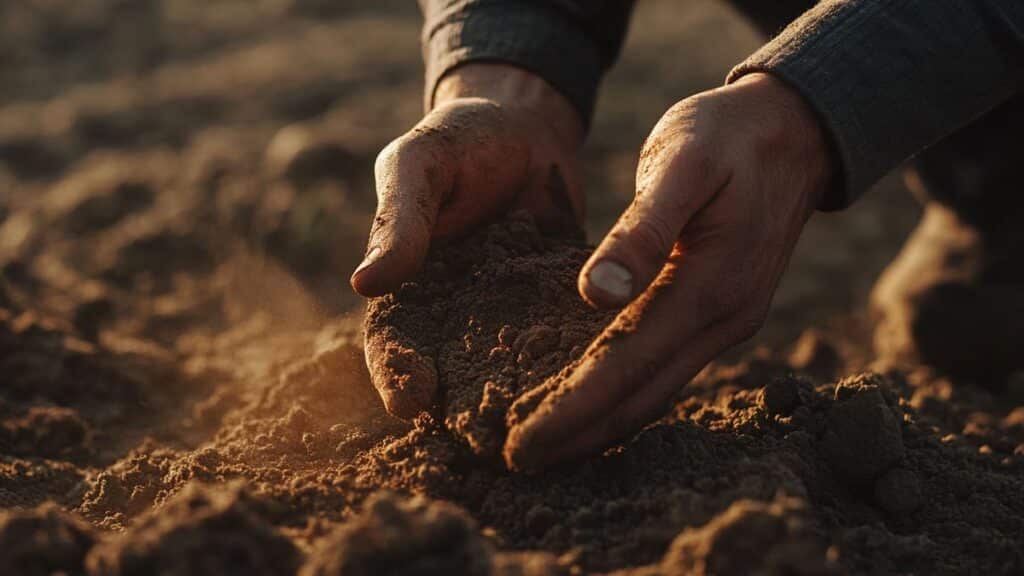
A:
(672, 185)
(405, 380)
(413, 175)
(649, 402)
(635, 348)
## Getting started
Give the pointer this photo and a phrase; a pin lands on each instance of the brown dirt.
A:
(198, 532)
(182, 380)
(490, 318)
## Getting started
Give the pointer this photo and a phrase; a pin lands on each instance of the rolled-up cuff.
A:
(530, 36)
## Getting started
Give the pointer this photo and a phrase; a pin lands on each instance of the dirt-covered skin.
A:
(490, 318)
(182, 378)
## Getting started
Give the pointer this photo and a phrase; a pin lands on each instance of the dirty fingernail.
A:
(371, 257)
(612, 278)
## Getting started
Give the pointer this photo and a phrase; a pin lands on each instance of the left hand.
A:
(725, 183)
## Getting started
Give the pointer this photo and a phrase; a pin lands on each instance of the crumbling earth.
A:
(276, 464)
(487, 320)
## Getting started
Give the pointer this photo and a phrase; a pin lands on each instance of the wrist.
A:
(794, 126)
(514, 87)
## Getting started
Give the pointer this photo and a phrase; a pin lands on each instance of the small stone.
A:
(780, 396)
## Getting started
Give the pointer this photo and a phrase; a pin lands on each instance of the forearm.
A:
(888, 79)
(568, 43)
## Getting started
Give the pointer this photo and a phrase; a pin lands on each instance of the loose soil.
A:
(182, 379)
(487, 320)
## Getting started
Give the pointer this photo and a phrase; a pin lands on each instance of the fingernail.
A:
(372, 256)
(612, 278)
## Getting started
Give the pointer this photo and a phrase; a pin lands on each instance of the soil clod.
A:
(493, 316)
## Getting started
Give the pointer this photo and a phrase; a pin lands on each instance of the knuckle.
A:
(386, 157)
(652, 238)
(422, 143)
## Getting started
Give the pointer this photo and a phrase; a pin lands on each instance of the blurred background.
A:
(144, 143)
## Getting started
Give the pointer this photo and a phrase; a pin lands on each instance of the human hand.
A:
(498, 139)
(725, 183)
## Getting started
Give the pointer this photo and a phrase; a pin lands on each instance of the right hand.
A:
(498, 139)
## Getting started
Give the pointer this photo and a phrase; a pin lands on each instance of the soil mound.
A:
(200, 532)
(489, 319)
(404, 537)
(43, 541)
(750, 538)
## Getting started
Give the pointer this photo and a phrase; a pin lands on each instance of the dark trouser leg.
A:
(977, 173)
(966, 314)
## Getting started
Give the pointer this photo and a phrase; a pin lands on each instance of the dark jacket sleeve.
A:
(890, 77)
(569, 43)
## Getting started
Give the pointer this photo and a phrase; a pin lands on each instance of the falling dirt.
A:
(183, 387)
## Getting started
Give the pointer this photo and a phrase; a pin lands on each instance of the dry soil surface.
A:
(182, 383)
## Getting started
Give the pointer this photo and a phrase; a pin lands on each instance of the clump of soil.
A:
(489, 319)
(398, 536)
(751, 537)
(410, 537)
(862, 436)
(43, 541)
(199, 532)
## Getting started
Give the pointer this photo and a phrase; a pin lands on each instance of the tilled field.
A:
(182, 384)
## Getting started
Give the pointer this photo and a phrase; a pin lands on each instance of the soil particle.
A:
(781, 396)
(403, 537)
(495, 315)
(863, 437)
(43, 541)
(201, 531)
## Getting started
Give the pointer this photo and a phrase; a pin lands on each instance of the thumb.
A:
(671, 188)
(413, 175)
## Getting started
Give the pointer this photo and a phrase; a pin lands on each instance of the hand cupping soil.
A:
(487, 320)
